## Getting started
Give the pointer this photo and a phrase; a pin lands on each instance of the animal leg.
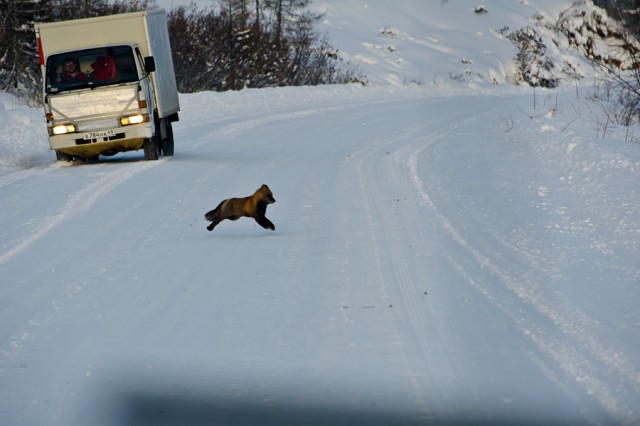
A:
(213, 225)
(265, 223)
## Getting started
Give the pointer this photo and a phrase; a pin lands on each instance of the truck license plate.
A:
(98, 134)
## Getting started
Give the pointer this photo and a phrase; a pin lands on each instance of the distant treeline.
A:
(230, 45)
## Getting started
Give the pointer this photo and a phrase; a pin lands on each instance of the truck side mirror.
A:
(149, 64)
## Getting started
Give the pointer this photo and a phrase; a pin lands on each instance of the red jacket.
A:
(66, 77)
(105, 68)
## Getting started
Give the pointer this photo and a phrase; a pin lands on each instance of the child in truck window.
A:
(71, 71)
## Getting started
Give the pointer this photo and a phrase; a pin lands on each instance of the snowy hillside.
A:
(431, 43)
(447, 250)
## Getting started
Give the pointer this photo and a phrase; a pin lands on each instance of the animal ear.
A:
(264, 186)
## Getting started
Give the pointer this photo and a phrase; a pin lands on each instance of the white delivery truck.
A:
(108, 85)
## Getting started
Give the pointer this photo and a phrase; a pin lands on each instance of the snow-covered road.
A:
(432, 260)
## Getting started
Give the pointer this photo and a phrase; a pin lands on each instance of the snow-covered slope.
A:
(450, 251)
(431, 43)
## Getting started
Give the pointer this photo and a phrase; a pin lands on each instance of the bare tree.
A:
(246, 43)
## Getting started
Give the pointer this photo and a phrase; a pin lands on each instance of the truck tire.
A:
(167, 143)
(151, 149)
(61, 156)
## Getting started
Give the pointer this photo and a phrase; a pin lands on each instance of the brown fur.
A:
(254, 206)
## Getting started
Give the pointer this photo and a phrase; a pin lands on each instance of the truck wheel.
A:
(151, 149)
(167, 143)
(61, 156)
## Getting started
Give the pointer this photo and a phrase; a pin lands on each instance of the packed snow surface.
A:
(446, 250)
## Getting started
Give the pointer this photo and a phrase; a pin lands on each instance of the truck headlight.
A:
(133, 119)
(61, 129)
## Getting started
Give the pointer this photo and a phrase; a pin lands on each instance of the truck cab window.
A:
(90, 68)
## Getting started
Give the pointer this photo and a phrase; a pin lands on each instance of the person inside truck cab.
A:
(71, 71)
(104, 67)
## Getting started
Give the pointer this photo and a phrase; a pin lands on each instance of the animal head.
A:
(266, 195)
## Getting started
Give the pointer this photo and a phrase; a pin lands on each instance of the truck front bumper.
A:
(126, 138)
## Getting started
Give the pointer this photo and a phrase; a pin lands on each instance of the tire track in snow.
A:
(12, 178)
(437, 352)
(79, 203)
(235, 124)
(573, 348)
(390, 240)
(386, 250)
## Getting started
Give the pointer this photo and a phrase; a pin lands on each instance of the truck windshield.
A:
(90, 68)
